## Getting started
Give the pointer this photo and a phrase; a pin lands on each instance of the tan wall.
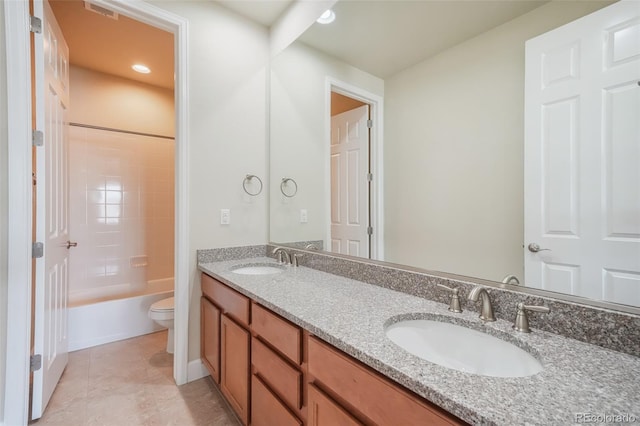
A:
(108, 101)
(3, 213)
(228, 56)
(454, 151)
(121, 186)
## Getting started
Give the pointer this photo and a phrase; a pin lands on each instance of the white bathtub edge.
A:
(196, 370)
(76, 345)
(104, 322)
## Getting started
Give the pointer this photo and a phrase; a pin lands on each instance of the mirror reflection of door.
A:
(350, 171)
(582, 145)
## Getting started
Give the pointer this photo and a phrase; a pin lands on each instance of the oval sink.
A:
(266, 269)
(462, 349)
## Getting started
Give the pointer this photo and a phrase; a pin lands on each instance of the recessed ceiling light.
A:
(327, 17)
(143, 69)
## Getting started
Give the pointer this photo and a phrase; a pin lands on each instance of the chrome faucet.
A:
(486, 312)
(283, 255)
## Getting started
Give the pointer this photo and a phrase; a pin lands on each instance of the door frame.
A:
(376, 250)
(19, 237)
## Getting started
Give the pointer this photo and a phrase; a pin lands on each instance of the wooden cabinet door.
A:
(234, 380)
(210, 338)
(323, 411)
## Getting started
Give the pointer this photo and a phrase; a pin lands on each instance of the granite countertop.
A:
(578, 378)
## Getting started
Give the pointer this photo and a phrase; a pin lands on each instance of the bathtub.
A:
(103, 319)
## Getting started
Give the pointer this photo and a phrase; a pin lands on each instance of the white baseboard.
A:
(196, 370)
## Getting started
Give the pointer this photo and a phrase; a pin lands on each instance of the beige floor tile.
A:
(130, 383)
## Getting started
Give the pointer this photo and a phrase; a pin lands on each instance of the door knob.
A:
(70, 244)
(534, 248)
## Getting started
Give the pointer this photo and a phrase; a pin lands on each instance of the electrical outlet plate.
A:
(225, 216)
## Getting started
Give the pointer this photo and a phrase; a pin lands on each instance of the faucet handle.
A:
(521, 323)
(454, 304)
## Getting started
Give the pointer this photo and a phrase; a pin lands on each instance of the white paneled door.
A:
(582, 151)
(349, 183)
(51, 67)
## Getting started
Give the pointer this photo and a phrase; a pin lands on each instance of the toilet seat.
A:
(164, 304)
(162, 309)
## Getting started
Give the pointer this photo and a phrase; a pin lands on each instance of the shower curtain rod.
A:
(89, 126)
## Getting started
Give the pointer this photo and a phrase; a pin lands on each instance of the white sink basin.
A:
(462, 348)
(266, 269)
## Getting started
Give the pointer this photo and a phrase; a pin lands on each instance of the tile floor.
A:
(130, 383)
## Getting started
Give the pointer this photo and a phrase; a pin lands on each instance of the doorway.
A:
(350, 172)
(20, 183)
(354, 170)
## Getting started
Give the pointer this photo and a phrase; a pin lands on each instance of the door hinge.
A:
(35, 24)
(370, 177)
(37, 250)
(36, 362)
(369, 230)
(37, 138)
(370, 123)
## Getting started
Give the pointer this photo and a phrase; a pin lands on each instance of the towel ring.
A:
(248, 179)
(283, 185)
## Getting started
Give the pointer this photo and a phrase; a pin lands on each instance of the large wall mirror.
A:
(437, 91)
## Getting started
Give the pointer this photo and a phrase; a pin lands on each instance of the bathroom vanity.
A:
(273, 372)
(293, 346)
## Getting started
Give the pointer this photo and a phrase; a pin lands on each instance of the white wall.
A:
(454, 151)
(3, 213)
(299, 143)
(228, 59)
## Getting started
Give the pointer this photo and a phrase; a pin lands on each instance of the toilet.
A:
(162, 313)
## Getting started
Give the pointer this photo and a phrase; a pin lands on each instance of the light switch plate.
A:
(225, 216)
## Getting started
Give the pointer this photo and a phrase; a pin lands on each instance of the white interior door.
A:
(349, 183)
(52, 270)
(582, 151)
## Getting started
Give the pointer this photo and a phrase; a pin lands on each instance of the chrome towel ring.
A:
(284, 185)
(247, 180)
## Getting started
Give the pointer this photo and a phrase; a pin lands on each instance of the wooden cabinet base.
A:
(273, 373)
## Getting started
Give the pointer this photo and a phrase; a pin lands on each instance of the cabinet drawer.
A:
(379, 399)
(278, 332)
(266, 410)
(281, 377)
(230, 301)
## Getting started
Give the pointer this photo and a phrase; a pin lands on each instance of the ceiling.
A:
(401, 33)
(113, 46)
(385, 37)
(265, 12)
